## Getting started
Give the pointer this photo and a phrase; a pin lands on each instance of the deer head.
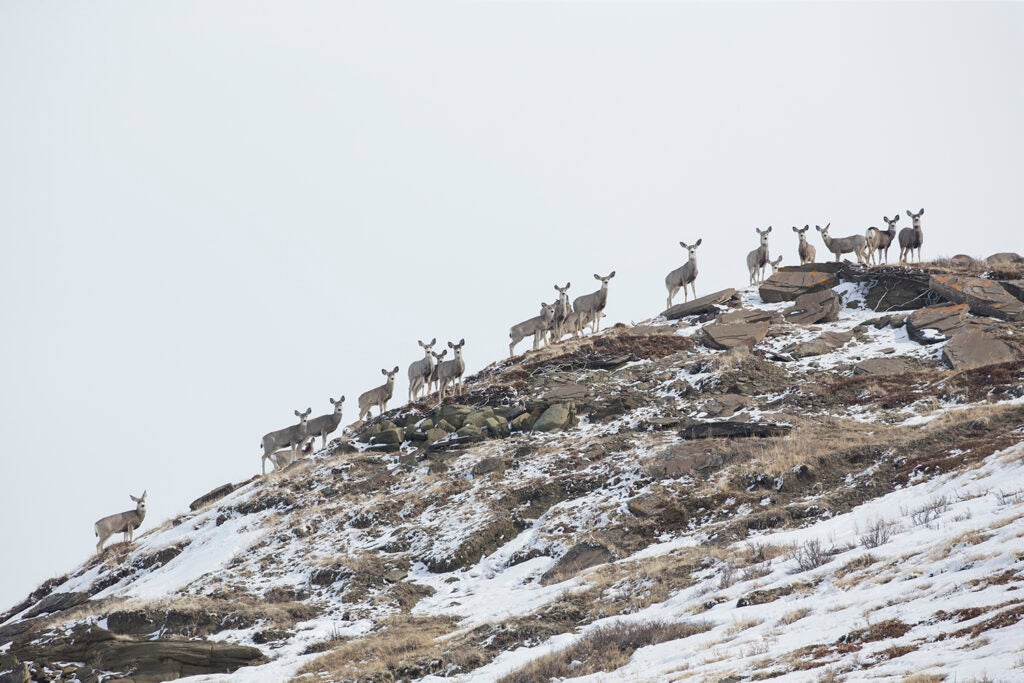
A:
(303, 416)
(916, 217)
(337, 404)
(691, 248)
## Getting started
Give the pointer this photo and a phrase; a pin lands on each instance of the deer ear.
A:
(886, 219)
(818, 228)
(462, 342)
(450, 346)
(769, 229)
(144, 495)
(794, 229)
(383, 371)
(828, 225)
(611, 275)
(683, 245)
(433, 341)
(568, 284)
(699, 240)
(910, 214)
(596, 276)
(298, 414)
(395, 370)
(342, 399)
(920, 213)
(807, 227)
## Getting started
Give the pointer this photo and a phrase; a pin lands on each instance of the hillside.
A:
(821, 478)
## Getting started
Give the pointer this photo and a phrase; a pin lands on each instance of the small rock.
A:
(559, 416)
(881, 366)
(704, 304)
(816, 307)
(943, 320)
(787, 285)
(961, 261)
(732, 335)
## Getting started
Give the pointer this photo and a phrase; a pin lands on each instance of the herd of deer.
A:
(556, 320)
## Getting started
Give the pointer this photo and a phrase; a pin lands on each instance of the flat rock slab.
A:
(984, 297)
(944, 320)
(882, 366)
(728, 336)
(976, 349)
(823, 267)
(57, 602)
(821, 306)
(566, 391)
(826, 343)
(750, 315)
(675, 465)
(734, 430)
(788, 285)
(704, 304)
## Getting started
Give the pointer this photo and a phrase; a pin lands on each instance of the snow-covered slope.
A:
(851, 526)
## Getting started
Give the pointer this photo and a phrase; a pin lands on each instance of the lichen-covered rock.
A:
(984, 297)
(521, 423)
(975, 349)
(392, 436)
(471, 431)
(936, 323)
(787, 285)
(557, 417)
(704, 304)
(882, 366)
(826, 343)
(455, 414)
(1004, 258)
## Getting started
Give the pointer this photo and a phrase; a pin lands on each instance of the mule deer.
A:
(562, 310)
(122, 523)
(758, 259)
(537, 326)
(589, 306)
(880, 240)
(432, 382)
(378, 396)
(450, 371)
(290, 437)
(855, 244)
(284, 457)
(684, 275)
(775, 265)
(912, 238)
(420, 371)
(325, 424)
(805, 250)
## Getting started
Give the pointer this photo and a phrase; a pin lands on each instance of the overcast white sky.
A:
(213, 213)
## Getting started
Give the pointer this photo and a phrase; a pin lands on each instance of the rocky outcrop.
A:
(936, 323)
(704, 304)
(815, 307)
(57, 602)
(787, 285)
(1014, 287)
(148, 661)
(984, 297)
(976, 349)
(724, 336)
(213, 495)
(750, 315)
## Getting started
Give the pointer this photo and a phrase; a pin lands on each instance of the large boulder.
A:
(57, 602)
(787, 285)
(734, 430)
(557, 417)
(821, 306)
(1004, 258)
(724, 336)
(984, 297)
(936, 323)
(704, 304)
(213, 495)
(975, 349)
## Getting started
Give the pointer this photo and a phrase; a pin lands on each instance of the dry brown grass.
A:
(401, 643)
(793, 616)
(924, 678)
(603, 649)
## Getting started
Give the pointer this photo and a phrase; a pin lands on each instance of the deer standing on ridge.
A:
(912, 238)
(420, 371)
(684, 275)
(378, 396)
(880, 240)
(290, 437)
(758, 259)
(538, 325)
(325, 424)
(450, 371)
(855, 244)
(562, 309)
(805, 250)
(589, 306)
(122, 523)
(433, 382)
